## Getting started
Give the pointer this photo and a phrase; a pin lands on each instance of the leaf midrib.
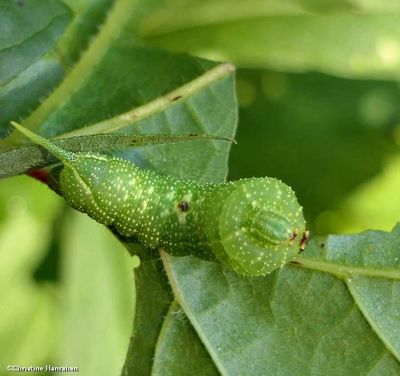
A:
(345, 271)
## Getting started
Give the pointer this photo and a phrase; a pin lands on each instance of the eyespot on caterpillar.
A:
(253, 226)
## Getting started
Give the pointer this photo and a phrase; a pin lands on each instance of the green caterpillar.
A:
(253, 226)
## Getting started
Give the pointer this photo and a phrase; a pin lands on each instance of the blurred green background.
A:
(318, 89)
(334, 140)
(67, 285)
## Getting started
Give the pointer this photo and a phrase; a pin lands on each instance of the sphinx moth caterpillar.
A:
(252, 226)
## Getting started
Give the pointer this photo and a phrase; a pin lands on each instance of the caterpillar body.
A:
(253, 226)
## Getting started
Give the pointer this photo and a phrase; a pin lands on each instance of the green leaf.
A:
(369, 263)
(347, 38)
(29, 31)
(98, 295)
(178, 340)
(185, 14)
(28, 67)
(153, 298)
(88, 18)
(295, 321)
(19, 160)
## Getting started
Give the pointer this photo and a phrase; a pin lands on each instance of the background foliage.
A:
(317, 86)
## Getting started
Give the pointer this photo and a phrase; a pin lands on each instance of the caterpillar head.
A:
(260, 227)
